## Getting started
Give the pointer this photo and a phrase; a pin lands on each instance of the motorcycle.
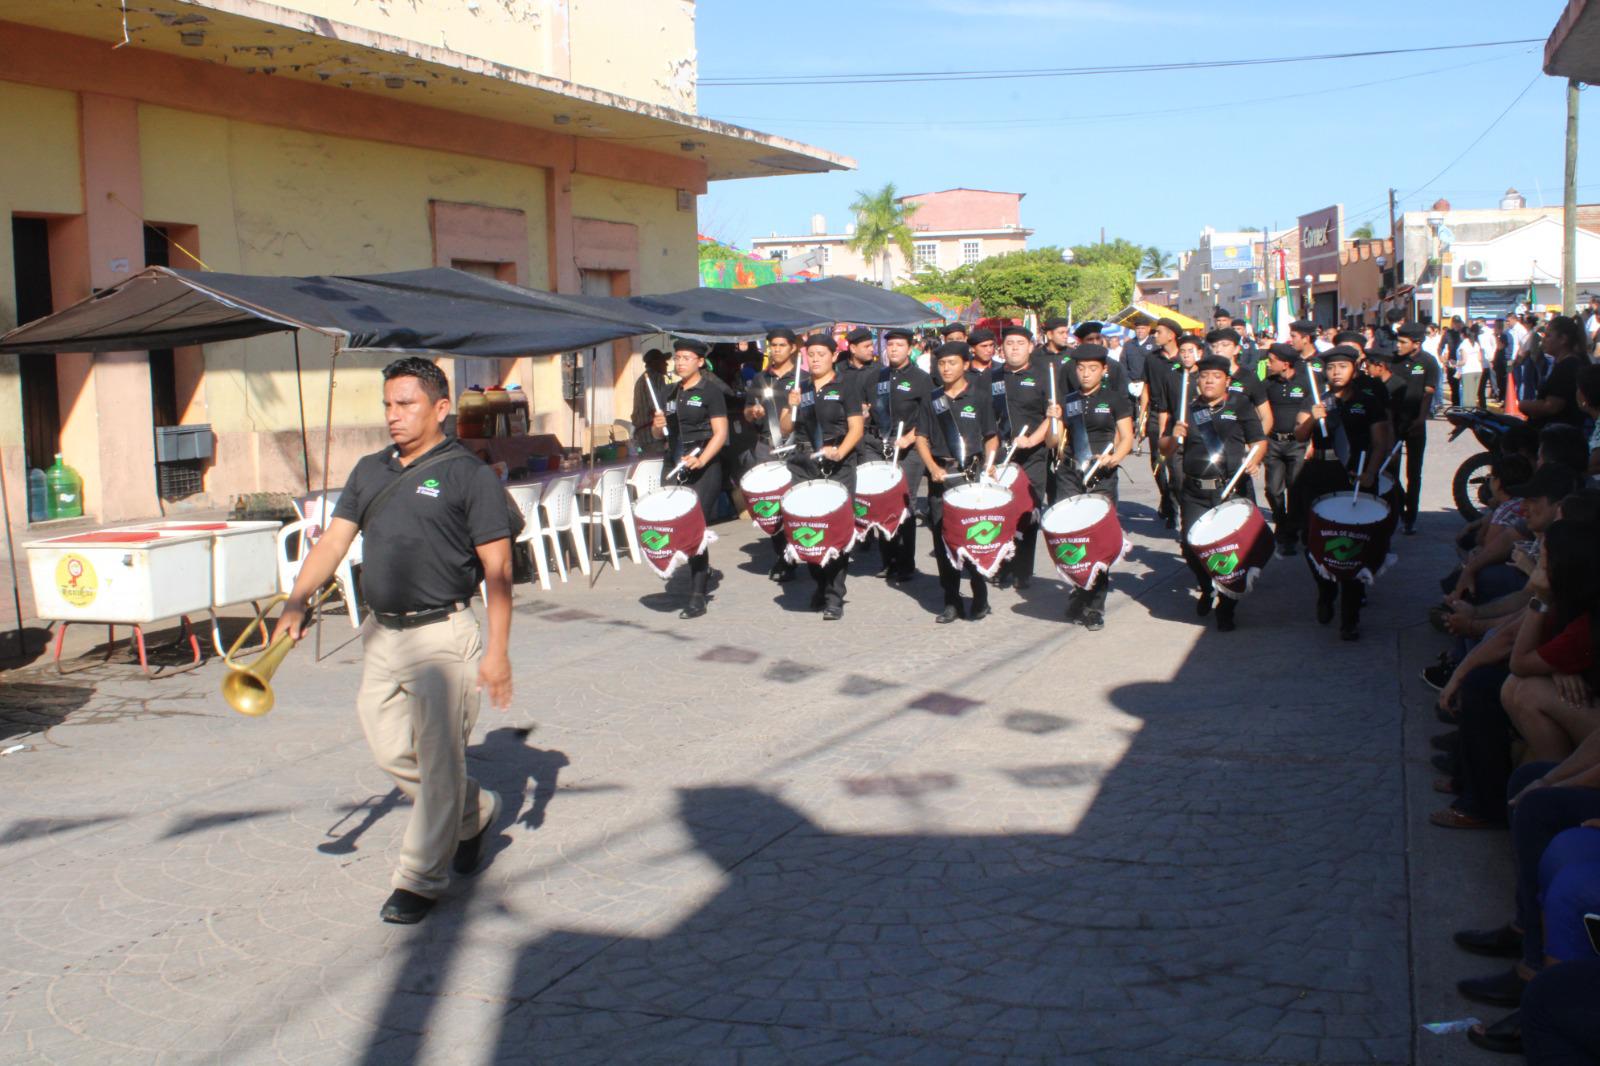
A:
(1471, 485)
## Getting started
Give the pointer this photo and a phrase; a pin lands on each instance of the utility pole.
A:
(1569, 214)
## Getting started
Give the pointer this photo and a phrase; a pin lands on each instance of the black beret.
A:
(1087, 328)
(1016, 331)
(1286, 353)
(820, 340)
(1414, 330)
(1341, 352)
(978, 336)
(857, 335)
(1089, 353)
(1300, 325)
(1055, 323)
(897, 334)
(1190, 338)
(952, 327)
(1223, 335)
(1222, 312)
(781, 335)
(1351, 336)
(1170, 324)
(1382, 355)
(960, 348)
(684, 344)
(1213, 362)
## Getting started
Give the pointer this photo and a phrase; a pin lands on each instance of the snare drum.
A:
(671, 527)
(818, 522)
(1233, 543)
(1012, 476)
(763, 486)
(882, 501)
(1084, 537)
(979, 526)
(1347, 537)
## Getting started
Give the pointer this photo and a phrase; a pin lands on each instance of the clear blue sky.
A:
(1056, 139)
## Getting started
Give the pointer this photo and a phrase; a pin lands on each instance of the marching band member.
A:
(1023, 391)
(696, 416)
(901, 401)
(761, 408)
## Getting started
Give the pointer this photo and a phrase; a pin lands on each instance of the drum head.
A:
(663, 505)
(766, 477)
(1341, 508)
(978, 497)
(1075, 512)
(1006, 474)
(1221, 521)
(815, 499)
(873, 478)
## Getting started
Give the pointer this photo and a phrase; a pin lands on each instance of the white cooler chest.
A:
(244, 557)
(120, 576)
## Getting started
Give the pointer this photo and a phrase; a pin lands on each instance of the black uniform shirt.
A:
(827, 406)
(420, 549)
(1162, 379)
(1027, 394)
(1350, 421)
(974, 419)
(1562, 383)
(1249, 383)
(1421, 372)
(1288, 398)
(1238, 427)
(1102, 408)
(910, 390)
(780, 384)
(690, 411)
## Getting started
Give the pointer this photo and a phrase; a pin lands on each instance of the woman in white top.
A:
(1469, 369)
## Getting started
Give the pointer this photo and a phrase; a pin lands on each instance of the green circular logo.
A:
(1071, 554)
(806, 536)
(431, 483)
(1223, 564)
(983, 533)
(654, 539)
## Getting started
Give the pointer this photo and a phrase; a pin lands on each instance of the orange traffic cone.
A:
(1511, 406)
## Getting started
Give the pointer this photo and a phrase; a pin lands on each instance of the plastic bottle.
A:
(38, 496)
(519, 410)
(66, 490)
(471, 413)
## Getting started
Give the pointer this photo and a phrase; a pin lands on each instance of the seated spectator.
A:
(1565, 446)
(1488, 573)
(1559, 1022)
(1589, 403)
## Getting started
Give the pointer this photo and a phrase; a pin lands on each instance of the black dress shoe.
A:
(786, 575)
(1202, 606)
(1324, 611)
(979, 613)
(1349, 633)
(1500, 990)
(1504, 1035)
(776, 573)
(1410, 530)
(694, 608)
(1023, 581)
(1503, 942)
(1094, 620)
(1171, 522)
(832, 614)
(405, 908)
(1437, 676)
(469, 851)
(904, 575)
(818, 598)
(948, 615)
(1076, 605)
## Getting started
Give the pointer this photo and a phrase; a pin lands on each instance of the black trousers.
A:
(707, 485)
(1192, 503)
(900, 553)
(1036, 465)
(1416, 446)
(1162, 470)
(1282, 465)
(830, 579)
(1560, 1026)
(949, 576)
(1348, 591)
(1069, 482)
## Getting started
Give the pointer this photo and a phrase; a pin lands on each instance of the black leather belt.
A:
(1203, 484)
(413, 619)
(1282, 436)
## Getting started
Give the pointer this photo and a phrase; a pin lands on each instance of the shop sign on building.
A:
(1321, 237)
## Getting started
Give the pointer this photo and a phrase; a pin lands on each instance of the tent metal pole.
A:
(11, 557)
(300, 390)
(589, 499)
(327, 452)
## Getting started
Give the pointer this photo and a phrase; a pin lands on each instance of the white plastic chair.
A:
(532, 535)
(560, 506)
(294, 544)
(646, 477)
(614, 507)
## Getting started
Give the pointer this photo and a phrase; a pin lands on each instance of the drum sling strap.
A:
(808, 398)
(880, 409)
(1072, 414)
(774, 405)
(1002, 403)
(1204, 423)
(946, 416)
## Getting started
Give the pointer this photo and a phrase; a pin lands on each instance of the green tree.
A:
(1157, 264)
(882, 220)
(710, 249)
(1362, 232)
(1123, 253)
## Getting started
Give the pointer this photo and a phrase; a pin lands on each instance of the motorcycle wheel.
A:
(1471, 486)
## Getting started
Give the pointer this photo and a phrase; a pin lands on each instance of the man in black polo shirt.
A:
(1420, 371)
(1161, 364)
(434, 522)
(903, 393)
(1288, 394)
(1024, 391)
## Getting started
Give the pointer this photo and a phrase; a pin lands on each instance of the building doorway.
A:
(41, 395)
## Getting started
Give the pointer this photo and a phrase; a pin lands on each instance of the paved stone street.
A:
(757, 837)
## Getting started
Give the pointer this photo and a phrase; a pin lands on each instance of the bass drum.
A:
(1233, 544)
(1347, 537)
(882, 502)
(979, 527)
(1084, 538)
(671, 528)
(818, 522)
(763, 486)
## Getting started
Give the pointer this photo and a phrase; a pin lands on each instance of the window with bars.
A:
(926, 254)
(971, 252)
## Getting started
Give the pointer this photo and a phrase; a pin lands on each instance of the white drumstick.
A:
(899, 430)
(1015, 441)
(1316, 398)
(1097, 461)
(652, 390)
(1361, 465)
(1237, 474)
(1392, 453)
(1183, 399)
(674, 472)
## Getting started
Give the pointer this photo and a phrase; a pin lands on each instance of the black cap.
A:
(781, 335)
(960, 348)
(1086, 329)
(1351, 336)
(1223, 335)
(684, 344)
(1090, 353)
(1190, 338)
(1300, 325)
(1284, 353)
(1413, 331)
(1341, 351)
(1550, 482)
(1055, 323)
(1213, 362)
(897, 334)
(1221, 312)
(821, 340)
(1380, 357)
(1015, 331)
(952, 327)
(978, 336)
(857, 335)
(1170, 324)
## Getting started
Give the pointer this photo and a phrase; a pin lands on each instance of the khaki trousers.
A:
(418, 702)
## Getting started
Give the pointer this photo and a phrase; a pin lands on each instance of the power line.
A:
(890, 77)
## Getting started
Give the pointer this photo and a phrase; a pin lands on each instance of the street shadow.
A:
(32, 707)
(199, 823)
(372, 810)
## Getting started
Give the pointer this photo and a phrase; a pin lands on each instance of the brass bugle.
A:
(248, 686)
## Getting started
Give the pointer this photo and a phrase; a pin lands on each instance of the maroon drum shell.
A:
(1352, 547)
(671, 528)
(1233, 555)
(979, 526)
(1102, 542)
(818, 521)
(1015, 478)
(763, 494)
(880, 509)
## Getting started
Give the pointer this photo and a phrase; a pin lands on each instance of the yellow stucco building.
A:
(550, 143)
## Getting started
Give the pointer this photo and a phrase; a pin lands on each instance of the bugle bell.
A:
(248, 686)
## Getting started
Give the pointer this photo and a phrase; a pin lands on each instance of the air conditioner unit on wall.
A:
(1474, 270)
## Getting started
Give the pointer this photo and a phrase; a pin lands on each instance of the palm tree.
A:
(1157, 264)
(1362, 232)
(882, 220)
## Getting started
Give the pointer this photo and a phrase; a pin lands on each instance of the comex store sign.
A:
(1314, 238)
